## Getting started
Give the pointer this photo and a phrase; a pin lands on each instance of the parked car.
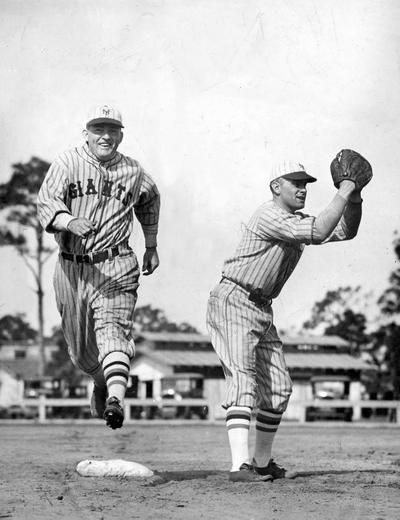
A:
(329, 388)
(325, 413)
(177, 411)
(314, 413)
(17, 411)
(168, 411)
(176, 387)
(184, 385)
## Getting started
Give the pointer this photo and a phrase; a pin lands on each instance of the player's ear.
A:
(275, 187)
(121, 137)
(85, 134)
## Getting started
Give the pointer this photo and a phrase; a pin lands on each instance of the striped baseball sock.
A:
(267, 423)
(116, 366)
(238, 425)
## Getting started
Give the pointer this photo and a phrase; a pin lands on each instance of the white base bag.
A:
(113, 468)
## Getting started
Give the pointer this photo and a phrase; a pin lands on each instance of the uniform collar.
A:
(92, 158)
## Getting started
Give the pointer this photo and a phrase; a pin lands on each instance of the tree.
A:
(351, 326)
(392, 341)
(390, 298)
(388, 336)
(151, 319)
(339, 313)
(22, 229)
(15, 328)
(385, 353)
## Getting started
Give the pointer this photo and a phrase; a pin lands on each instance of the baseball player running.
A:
(239, 312)
(88, 200)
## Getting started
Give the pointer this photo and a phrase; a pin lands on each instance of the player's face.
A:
(292, 194)
(103, 140)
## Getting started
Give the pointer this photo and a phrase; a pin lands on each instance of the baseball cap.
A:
(104, 114)
(290, 170)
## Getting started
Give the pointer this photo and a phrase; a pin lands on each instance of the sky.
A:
(212, 93)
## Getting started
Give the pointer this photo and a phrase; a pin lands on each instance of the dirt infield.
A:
(346, 472)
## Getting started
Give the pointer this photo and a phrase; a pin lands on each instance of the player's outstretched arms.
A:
(150, 261)
(328, 219)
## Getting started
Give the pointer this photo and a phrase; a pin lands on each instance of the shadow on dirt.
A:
(299, 474)
(164, 477)
(168, 476)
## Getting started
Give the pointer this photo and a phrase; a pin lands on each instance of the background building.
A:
(184, 365)
(320, 367)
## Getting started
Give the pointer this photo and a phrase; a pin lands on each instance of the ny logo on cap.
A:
(105, 110)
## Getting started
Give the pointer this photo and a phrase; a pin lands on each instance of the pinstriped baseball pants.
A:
(96, 303)
(250, 351)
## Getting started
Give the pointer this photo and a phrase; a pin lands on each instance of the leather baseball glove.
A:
(349, 165)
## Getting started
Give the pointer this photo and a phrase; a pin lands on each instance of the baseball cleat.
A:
(246, 474)
(271, 469)
(114, 413)
(98, 401)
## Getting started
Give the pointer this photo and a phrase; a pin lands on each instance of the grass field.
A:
(346, 472)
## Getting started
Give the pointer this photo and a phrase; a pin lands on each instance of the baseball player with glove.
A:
(88, 199)
(239, 312)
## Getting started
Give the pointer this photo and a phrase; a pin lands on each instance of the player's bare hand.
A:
(81, 227)
(347, 187)
(150, 261)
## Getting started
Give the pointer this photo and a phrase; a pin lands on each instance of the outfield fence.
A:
(356, 406)
(132, 407)
(151, 408)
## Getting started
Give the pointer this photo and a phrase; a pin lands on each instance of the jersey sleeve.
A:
(347, 226)
(147, 210)
(51, 196)
(272, 223)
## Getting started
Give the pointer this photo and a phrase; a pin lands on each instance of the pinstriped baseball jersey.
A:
(107, 193)
(96, 301)
(241, 327)
(271, 246)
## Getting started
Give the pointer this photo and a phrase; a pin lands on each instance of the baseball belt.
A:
(256, 296)
(92, 258)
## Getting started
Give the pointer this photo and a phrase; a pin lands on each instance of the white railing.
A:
(43, 402)
(357, 406)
